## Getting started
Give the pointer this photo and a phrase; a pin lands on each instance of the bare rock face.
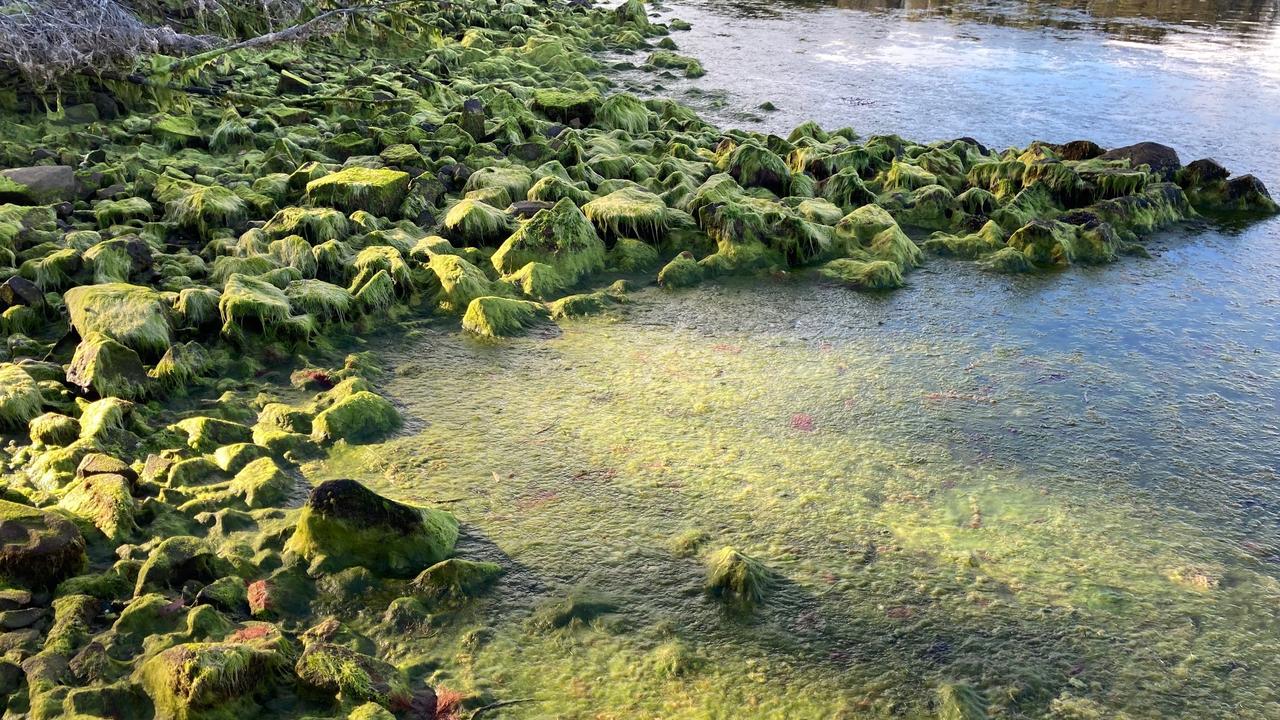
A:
(1162, 159)
(39, 185)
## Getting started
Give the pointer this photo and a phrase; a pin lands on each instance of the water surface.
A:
(1061, 490)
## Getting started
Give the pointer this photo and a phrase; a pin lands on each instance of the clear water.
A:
(1063, 490)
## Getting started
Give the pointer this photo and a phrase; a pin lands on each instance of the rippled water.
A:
(1061, 490)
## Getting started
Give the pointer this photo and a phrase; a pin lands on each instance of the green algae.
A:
(134, 316)
(907, 553)
(560, 237)
(378, 191)
(379, 534)
(499, 317)
(360, 416)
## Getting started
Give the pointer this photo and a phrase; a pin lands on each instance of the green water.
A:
(1060, 490)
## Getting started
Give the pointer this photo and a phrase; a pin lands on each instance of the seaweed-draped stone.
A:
(345, 524)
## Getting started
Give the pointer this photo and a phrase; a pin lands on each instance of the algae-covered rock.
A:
(1010, 261)
(344, 524)
(682, 271)
(736, 576)
(498, 317)
(864, 275)
(108, 368)
(20, 400)
(352, 676)
(39, 549)
(210, 680)
(179, 559)
(205, 209)
(316, 225)
(560, 237)
(566, 106)
(136, 317)
(630, 212)
(360, 416)
(455, 579)
(629, 255)
(105, 501)
(690, 67)
(51, 428)
(960, 701)
(206, 434)
(472, 222)
(377, 191)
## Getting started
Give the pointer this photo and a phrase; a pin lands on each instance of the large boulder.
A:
(1162, 159)
(39, 185)
(196, 680)
(344, 524)
(38, 548)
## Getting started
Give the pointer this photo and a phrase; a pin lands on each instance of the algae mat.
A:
(1055, 496)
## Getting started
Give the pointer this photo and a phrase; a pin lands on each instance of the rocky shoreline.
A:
(182, 259)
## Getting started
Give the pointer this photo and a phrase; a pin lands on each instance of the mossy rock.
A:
(666, 59)
(566, 106)
(736, 577)
(377, 191)
(498, 317)
(630, 212)
(344, 524)
(317, 225)
(40, 549)
(455, 580)
(179, 559)
(683, 271)
(352, 677)
(108, 368)
(560, 237)
(361, 416)
(106, 503)
(475, 223)
(50, 428)
(214, 680)
(864, 275)
(207, 434)
(136, 317)
(20, 399)
(1009, 261)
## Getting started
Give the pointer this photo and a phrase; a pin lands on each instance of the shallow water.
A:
(1063, 490)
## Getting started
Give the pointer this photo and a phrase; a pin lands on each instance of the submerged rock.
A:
(737, 577)
(344, 524)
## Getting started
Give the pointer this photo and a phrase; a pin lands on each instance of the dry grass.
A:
(44, 41)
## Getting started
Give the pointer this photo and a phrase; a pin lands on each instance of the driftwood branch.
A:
(501, 703)
(296, 33)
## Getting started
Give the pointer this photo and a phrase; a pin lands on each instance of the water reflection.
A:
(1148, 21)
